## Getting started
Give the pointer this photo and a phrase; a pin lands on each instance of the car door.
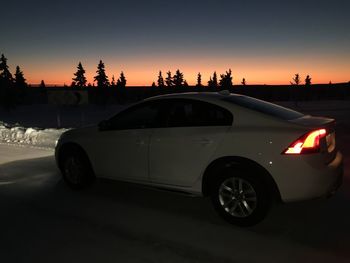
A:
(122, 147)
(180, 151)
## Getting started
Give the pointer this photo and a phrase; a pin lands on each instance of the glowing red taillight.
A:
(309, 143)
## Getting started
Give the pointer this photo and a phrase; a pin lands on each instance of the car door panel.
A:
(122, 147)
(178, 156)
(122, 154)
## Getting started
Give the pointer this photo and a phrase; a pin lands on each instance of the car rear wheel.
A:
(76, 169)
(240, 198)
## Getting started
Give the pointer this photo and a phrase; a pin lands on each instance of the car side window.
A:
(194, 113)
(140, 116)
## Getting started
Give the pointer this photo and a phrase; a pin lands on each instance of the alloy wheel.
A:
(237, 197)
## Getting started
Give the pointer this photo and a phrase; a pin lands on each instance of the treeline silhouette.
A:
(14, 90)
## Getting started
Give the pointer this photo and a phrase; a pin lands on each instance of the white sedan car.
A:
(242, 152)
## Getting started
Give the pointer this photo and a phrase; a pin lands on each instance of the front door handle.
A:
(140, 142)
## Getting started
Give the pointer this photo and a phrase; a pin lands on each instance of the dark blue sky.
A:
(264, 41)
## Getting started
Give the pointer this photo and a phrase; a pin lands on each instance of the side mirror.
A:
(104, 125)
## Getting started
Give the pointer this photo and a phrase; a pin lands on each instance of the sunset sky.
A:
(265, 42)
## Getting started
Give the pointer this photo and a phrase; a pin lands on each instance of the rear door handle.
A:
(204, 141)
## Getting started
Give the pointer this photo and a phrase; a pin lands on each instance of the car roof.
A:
(206, 96)
(233, 101)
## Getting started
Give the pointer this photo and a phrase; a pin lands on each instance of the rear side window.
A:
(264, 107)
(193, 113)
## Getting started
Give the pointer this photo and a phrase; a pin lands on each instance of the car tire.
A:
(241, 198)
(76, 169)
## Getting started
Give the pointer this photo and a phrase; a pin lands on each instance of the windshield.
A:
(264, 107)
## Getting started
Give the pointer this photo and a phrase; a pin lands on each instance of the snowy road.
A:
(44, 221)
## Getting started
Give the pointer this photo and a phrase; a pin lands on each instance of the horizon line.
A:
(258, 84)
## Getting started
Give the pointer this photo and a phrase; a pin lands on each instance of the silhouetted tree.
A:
(243, 82)
(20, 91)
(160, 80)
(295, 91)
(20, 81)
(113, 82)
(153, 84)
(185, 84)
(213, 82)
(80, 79)
(121, 82)
(178, 79)
(169, 79)
(307, 92)
(7, 95)
(296, 80)
(5, 74)
(42, 84)
(210, 82)
(101, 77)
(199, 80)
(226, 79)
(307, 81)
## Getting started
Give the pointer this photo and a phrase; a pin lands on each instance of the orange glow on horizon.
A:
(142, 71)
(145, 78)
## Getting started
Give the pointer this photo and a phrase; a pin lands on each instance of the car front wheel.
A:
(76, 169)
(241, 199)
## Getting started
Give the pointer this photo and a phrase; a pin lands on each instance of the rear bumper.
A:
(305, 181)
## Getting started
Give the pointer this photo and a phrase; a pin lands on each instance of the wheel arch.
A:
(68, 147)
(228, 162)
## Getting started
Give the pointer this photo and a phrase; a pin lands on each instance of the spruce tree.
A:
(101, 77)
(42, 84)
(226, 79)
(295, 90)
(210, 82)
(307, 81)
(169, 79)
(160, 80)
(121, 82)
(296, 80)
(213, 82)
(5, 74)
(113, 82)
(80, 79)
(199, 80)
(178, 79)
(7, 94)
(243, 82)
(20, 81)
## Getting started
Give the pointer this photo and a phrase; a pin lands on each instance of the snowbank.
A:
(15, 134)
